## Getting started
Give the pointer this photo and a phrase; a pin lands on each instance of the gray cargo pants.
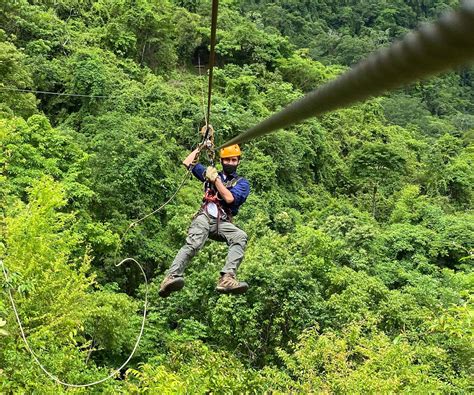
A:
(202, 228)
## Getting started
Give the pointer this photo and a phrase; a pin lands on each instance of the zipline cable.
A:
(434, 48)
(212, 56)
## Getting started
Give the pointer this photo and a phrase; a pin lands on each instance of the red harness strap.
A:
(211, 196)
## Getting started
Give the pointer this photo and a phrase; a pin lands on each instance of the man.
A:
(225, 192)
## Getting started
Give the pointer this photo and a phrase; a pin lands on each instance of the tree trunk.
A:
(374, 193)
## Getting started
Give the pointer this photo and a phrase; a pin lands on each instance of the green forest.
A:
(360, 225)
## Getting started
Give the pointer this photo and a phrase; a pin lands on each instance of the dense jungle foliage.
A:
(360, 222)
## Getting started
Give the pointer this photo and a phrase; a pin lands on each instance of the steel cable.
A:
(434, 48)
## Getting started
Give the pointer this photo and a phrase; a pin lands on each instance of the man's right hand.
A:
(190, 158)
(211, 174)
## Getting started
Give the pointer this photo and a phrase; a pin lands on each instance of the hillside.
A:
(360, 224)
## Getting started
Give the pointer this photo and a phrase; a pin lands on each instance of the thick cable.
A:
(434, 48)
(212, 56)
(52, 93)
(35, 357)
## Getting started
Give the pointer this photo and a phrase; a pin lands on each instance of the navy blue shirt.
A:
(240, 191)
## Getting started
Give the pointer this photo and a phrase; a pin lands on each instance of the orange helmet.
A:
(230, 151)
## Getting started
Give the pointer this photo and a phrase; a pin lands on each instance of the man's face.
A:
(233, 161)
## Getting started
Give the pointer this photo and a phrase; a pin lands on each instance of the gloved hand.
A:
(211, 174)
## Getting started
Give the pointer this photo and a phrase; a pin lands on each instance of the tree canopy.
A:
(360, 222)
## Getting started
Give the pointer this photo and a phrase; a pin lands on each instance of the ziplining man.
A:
(225, 192)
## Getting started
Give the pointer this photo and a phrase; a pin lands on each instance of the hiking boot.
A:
(228, 284)
(170, 284)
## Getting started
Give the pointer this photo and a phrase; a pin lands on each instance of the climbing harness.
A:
(211, 196)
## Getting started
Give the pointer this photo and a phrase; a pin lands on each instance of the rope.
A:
(53, 93)
(136, 222)
(35, 357)
(215, 6)
(442, 45)
(202, 90)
